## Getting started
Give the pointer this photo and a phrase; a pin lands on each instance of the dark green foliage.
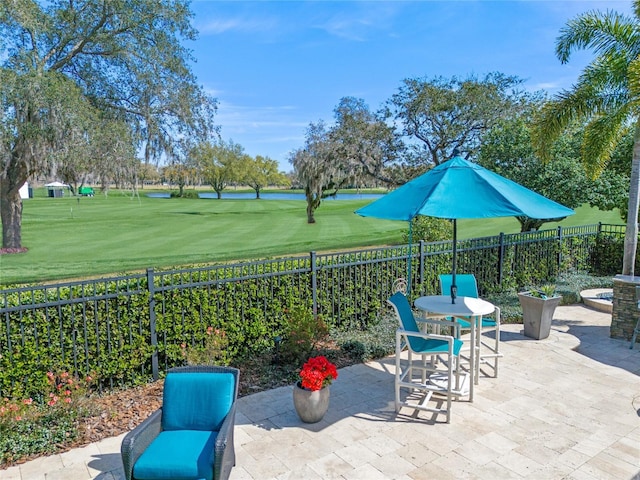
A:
(185, 194)
(355, 349)
(102, 328)
(570, 284)
(606, 255)
(376, 342)
(39, 435)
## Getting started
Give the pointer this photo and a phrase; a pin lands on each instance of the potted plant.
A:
(311, 392)
(538, 306)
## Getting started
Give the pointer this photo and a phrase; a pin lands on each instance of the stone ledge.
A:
(590, 299)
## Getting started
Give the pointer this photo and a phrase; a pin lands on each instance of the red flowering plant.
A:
(317, 373)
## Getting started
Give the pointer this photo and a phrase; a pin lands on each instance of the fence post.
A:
(152, 323)
(314, 283)
(559, 248)
(500, 259)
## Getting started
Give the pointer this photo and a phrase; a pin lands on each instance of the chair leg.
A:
(635, 334)
(398, 372)
(450, 387)
(497, 357)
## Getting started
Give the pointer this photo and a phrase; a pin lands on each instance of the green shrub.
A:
(303, 332)
(355, 349)
(377, 341)
(212, 351)
(35, 427)
(185, 194)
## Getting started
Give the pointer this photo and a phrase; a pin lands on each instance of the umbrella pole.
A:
(454, 287)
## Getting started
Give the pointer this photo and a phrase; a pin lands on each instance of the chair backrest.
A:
(197, 400)
(405, 316)
(466, 283)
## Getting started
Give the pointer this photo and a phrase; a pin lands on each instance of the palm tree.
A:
(606, 97)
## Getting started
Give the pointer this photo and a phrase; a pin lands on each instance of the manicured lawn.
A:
(68, 238)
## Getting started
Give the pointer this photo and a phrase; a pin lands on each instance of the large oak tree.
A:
(441, 115)
(122, 58)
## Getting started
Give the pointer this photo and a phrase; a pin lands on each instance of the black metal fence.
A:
(127, 329)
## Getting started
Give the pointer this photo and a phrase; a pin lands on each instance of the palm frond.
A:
(633, 76)
(601, 136)
(606, 71)
(606, 33)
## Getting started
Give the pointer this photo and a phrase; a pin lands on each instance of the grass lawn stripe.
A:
(103, 235)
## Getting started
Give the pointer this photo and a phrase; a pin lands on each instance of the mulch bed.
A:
(6, 251)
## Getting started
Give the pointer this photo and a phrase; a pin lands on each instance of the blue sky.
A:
(277, 66)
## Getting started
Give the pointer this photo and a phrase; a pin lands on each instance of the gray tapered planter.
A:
(310, 405)
(537, 314)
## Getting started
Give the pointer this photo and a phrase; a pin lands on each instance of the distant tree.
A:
(441, 115)
(429, 229)
(260, 172)
(220, 163)
(606, 97)
(507, 150)
(366, 145)
(147, 173)
(123, 57)
(316, 168)
(181, 175)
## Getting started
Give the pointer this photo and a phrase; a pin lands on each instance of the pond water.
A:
(605, 296)
(273, 196)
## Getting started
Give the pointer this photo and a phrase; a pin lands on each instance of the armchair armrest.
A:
(225, 456)
(137, 441)
(441, 323)
(408, 333)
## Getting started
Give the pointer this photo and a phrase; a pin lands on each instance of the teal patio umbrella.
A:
(457, 189)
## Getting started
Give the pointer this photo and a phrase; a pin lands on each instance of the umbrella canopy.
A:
(456, 189)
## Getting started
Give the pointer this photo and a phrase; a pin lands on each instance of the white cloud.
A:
(249, 23)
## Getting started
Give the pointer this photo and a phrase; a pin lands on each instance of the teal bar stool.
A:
(468, 287)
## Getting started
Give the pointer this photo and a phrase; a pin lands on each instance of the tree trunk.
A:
(313, 202)
(10, 213)
(631, 233)
(310, 210)
(528, 224)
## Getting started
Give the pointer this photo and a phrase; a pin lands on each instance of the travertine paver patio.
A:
(564, 407)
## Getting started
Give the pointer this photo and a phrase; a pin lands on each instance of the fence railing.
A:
(129, 328)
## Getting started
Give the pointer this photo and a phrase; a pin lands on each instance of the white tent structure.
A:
(56, 189)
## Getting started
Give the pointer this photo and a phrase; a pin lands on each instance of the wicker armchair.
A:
(191, 436)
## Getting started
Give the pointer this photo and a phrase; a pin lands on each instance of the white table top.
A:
(464, 306)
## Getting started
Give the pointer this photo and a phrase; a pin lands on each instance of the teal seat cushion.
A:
(486, 322)
(196, 401)
(178, 455)
(430, 345)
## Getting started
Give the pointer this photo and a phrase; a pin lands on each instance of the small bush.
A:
(355, 349)
(213, 352)
(376, 342)
(303, 332)
(185, 194)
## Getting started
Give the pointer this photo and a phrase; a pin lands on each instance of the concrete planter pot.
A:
(537, 314)
(311, 405)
